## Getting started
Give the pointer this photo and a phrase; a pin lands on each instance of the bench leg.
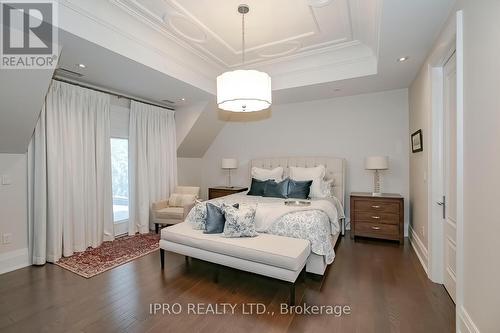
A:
(162, 258)
(292, 294)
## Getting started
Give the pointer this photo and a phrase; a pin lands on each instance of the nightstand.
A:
(222, 191)
(377, 217)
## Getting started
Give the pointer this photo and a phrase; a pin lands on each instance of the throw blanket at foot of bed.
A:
(311, 224)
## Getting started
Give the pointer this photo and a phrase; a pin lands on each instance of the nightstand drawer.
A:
(372, 229)
(374, 206)
(376, 217)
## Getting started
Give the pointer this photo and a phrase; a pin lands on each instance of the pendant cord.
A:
(243, 39)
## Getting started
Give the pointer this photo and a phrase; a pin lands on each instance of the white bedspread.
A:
(315, 223)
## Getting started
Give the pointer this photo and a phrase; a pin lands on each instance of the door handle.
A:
(376, 228)
(443, 204)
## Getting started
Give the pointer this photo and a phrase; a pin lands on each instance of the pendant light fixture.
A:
(244, 90)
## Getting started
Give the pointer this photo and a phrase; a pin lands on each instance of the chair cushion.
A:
(179, 200)
(279, 251)
(170, 213)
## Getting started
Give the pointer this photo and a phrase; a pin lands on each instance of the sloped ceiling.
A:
(21, 96)
(202, 133)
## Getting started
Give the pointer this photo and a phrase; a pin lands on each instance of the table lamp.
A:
(229, 164)
(376, 163)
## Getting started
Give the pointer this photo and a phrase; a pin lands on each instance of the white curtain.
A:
(69, 157)
(153, 161)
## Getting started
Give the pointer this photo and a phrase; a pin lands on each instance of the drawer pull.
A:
(376, 206)
(376, 228)
(376, 217)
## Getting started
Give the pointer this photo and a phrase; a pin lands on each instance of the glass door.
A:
(119, 165)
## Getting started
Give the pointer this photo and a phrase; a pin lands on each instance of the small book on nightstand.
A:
(377, 216)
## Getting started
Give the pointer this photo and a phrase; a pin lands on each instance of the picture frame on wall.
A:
(417, 144)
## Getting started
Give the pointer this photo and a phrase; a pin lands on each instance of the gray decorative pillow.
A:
(239, 222)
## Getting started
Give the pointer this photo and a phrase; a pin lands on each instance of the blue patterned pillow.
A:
(239, 222)
(197, 217)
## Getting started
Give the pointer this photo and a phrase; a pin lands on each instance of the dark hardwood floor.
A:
(382, 282)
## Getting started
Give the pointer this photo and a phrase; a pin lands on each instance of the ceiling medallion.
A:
(244, 90)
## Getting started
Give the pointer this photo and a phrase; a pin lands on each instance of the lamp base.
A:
(376, 194)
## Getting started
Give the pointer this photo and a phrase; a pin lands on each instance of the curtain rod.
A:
(68, 81)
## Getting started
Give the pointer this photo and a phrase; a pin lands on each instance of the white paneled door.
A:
(449, 203)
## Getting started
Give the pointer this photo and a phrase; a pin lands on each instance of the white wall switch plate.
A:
(7, 238)
(6, 180)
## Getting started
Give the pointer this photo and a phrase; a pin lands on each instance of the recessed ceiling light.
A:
(402, 59)
(82, 66)
(183, 99)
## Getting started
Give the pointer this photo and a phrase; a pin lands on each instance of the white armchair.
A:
(175, 209)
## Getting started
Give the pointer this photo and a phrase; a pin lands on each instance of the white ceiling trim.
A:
(198, 45)
(150, 20)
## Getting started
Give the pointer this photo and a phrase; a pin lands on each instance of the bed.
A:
(335, 170)
(291, 244)
(321, 228)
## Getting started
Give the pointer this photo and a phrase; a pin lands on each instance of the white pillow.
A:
(275, 174)
(315, 174)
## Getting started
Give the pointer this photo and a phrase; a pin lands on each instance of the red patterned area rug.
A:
(110, 255)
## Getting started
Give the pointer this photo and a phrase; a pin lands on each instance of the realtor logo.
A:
(29, 34)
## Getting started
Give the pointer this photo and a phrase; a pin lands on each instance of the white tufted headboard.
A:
(335, 169)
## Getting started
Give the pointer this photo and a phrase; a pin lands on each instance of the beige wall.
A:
(481, 290)
(482, 163)
(14, 212)
(189, 171)
(351, 127)
(420, 105)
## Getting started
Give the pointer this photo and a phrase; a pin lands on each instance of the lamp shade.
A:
(377, 163)
(244, 91)
(229, 163)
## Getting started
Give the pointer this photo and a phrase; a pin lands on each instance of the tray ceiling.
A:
(277, 29)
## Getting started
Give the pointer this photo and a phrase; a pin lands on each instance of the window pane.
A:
(119, 164)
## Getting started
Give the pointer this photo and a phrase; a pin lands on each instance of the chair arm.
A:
(159, 205)
(187, 209)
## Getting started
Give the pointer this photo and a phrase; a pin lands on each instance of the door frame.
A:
(435, 184)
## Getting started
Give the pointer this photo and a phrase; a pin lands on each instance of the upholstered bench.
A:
(282, 258)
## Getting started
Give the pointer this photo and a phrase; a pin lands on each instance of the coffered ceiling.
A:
(277, 29)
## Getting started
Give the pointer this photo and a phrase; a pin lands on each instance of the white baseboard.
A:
(13, 260)
(465, 323)
(419, 248)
